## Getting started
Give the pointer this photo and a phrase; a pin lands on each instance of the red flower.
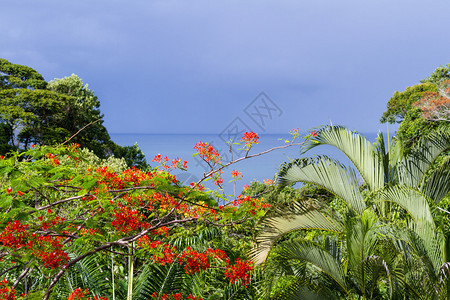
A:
(207, 152)
(236, 174)
(250, 138)
(314, 134)
(19, 193)
(8, 190)
(241, 270)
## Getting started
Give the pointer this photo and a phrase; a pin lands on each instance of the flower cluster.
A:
(49, 250)
(165, 254)
(249, 139)
(14, 235)
(127, 220)
(194, 261)
(173, 297)
(207, 152)
(236, 175)
(51, 222)
(253, 203)
(109, 179)
(6, 292)
(78, 294)
(240, 271)
(176, 163)
(135, 176)
(295, 134)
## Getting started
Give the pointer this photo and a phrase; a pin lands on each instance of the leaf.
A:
(327, 173)
(356, 147)
(276, 227)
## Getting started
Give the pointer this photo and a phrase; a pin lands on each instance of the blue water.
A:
(256, 168)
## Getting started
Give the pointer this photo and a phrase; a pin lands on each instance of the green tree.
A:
(83, 109)
(402, 108)
(29, 113)
(442, 73)
(387, 242)
(34, 112)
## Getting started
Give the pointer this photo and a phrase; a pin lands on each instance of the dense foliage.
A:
(421, 108)
(65, 212)
(33, 111)
(388, 239)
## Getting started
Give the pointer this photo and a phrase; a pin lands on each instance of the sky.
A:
(172, 66)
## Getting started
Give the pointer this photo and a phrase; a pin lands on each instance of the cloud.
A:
(341, 59)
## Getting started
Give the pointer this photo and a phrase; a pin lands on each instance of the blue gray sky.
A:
(172, 66)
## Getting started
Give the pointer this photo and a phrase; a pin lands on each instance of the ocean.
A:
(253, 169)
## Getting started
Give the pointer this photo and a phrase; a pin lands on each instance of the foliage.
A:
(441, 73)
(34, 112)
(388, 243)
(436, 106)
(421, 109)
(72, 223)
(401, 102)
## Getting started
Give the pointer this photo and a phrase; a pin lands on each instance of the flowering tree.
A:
(58, 211)
(436, 105)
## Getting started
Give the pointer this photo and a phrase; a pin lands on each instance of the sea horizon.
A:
(259, 168)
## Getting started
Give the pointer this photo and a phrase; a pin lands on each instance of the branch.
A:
(58, 202)
(212, 172)
(74, 261)
(9, 269)
(93, 122)
(24, 273)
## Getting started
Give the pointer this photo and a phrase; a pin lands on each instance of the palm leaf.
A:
(328, 173)
(362, 237)
(413, 201)
(159, 279)
(299, 218)
(357, 148)
(316, 255)
(438, 185)
(414, 167)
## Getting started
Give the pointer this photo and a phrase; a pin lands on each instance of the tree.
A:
(402, 102)
(442, 73)
(84, 109)
(386, 241)
(435, 106)
(420, 109)
(66, 213)
(34, 112)
(29, 113)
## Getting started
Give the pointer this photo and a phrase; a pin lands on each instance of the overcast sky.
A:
(199, 66)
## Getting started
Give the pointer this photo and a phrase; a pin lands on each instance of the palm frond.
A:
(159, 279)
(300, 218)
(328, 173)
(91, 273)
(413, 201)
(412, 170)
(314, 254)
(357, 148)
(362, 237)
(438, 185)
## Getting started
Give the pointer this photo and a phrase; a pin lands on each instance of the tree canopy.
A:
(33, 111)
(421, 108)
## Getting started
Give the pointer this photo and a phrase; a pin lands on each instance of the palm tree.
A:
(385, 237)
